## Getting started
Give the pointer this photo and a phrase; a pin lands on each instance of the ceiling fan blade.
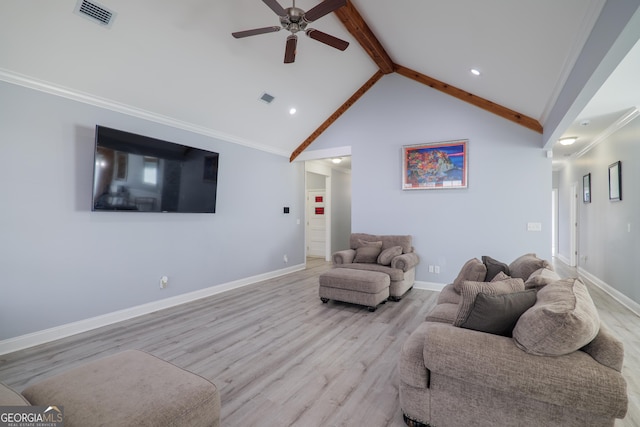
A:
(290, 49)
(275, 6)
(255, 32)
(327, 39)
(322, 9)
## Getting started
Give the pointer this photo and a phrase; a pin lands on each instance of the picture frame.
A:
(615, 181)
(435, 165)
(586, 188)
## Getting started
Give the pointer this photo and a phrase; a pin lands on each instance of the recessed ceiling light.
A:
(292, 111)
(568, 140)
(475, 71)
(336, 160)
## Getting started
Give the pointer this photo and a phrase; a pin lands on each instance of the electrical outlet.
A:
(164, 281)
(436, 269)
(431, 269)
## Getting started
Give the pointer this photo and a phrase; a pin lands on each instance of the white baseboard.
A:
(614, 293)
(429, 286)
(36, 338)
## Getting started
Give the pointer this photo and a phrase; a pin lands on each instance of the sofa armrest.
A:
(405, 262)
(574, 380)
(344, 257)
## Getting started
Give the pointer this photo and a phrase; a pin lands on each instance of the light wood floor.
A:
(280, 357)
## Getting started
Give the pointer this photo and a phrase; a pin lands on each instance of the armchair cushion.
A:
(367, 252)
(389, 254)
(563, 320)
(405, 262)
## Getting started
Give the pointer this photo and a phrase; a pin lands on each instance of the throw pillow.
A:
(473, 270)
(471, 289)
(494, 267)
(563, 320)
(540, 278)
(367, 252)
(498, 314)
(499, 277)
(388, 254)
(523, 266)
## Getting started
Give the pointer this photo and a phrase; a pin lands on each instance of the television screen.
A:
(142, 174)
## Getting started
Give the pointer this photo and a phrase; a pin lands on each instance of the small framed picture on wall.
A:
(586, 188)
(615, 181)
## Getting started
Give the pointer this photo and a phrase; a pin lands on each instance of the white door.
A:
(316, 223)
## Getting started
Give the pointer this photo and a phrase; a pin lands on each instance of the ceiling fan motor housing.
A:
(294, 20)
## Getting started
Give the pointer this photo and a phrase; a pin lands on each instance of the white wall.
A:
(608, 231)
(62, 263)
(509, 177)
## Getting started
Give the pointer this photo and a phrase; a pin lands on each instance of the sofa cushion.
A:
(10, 397)
(473, 270)
(563, 320)
(494, 267)
(388, 254)
(395, 274)
(498, 314)
(471, 289)
(541, 277)
(367, 252)
(526, 264)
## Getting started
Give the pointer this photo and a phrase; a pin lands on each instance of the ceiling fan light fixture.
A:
(568, 140)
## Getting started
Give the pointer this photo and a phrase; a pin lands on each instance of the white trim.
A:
(325, 153)
(614, 293)
(429, 286)
(86, 98)
(62, 331)
(626, 118)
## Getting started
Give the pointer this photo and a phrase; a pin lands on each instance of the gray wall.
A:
(62, 263)
(509, 177)
(608, 231)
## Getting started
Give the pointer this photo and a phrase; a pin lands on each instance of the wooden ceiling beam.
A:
(359, 29)
(485, 104)
(340, 111)
(356, 25)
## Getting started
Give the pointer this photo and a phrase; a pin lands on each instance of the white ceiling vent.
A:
(266, 98)
(95, 12)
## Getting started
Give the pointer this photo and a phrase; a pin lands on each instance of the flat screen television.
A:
(136, 173)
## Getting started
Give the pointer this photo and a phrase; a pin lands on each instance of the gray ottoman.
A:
(368, 288)
(131, 388)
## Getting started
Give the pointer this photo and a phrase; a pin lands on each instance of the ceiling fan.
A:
(295, 19)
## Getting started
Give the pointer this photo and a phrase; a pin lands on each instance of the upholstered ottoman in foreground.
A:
(132, 388)
(368, 288)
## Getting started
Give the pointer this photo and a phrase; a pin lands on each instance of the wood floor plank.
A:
(280, 357)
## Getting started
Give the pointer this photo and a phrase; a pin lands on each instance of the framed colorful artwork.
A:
(436, 165)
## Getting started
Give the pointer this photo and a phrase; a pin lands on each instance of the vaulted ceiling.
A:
(177, 63)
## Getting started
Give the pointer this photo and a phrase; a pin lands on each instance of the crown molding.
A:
(108, 104)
